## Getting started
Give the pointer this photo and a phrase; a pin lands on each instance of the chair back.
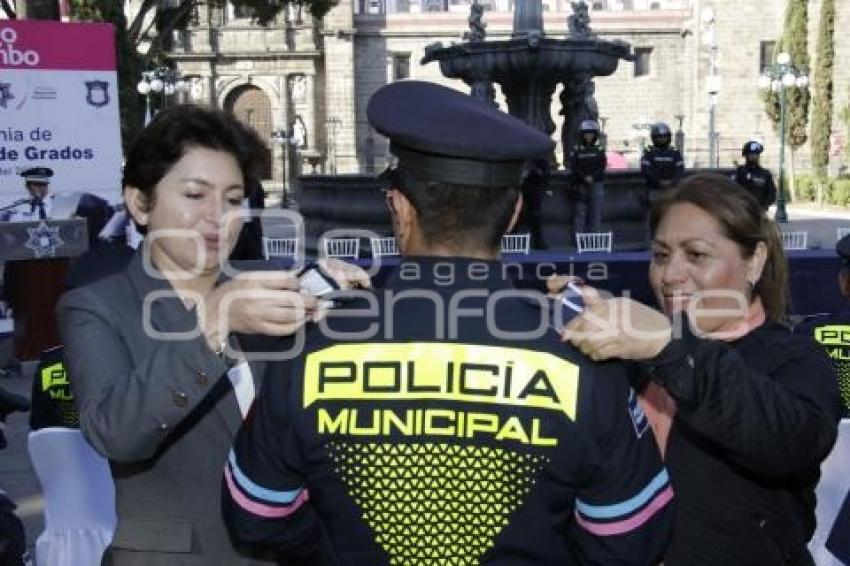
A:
(79, 498)
(833, 488)
(796, 240)
(280, 247)
(342, 247)
(594, 241)
(384, 246)
(516, 243)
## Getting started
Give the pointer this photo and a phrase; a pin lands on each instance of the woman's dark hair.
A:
(179, 128)
(742, 221)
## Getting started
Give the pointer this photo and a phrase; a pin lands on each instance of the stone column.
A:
(340, 110)
(309, 113)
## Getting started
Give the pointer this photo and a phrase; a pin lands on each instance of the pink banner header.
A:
(42, 45)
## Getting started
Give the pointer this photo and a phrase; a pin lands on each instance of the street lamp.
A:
(713, 86)
(286, 139)
(333, 127)
(161, 80)
(777, 78)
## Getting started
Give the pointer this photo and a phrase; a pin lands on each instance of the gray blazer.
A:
(162, 411)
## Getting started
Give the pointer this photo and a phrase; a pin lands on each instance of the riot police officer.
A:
(755, 178)
(660, 164)
(533, 186)
(587, 167)
(832, 331)
(443, 423)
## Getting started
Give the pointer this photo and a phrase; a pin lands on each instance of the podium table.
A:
(36, 256)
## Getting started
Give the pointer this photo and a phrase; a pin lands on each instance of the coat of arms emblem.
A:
(97, 94)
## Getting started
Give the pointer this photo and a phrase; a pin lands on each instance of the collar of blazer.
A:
(167, 311)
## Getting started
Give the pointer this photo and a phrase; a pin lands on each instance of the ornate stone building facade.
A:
(314, 78)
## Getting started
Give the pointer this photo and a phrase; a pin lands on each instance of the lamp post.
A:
(285, 138)
(713, 85)
(333, 125)
(161, 80)
(779, 77)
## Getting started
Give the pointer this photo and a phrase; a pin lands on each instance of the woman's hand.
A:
(617, 328)
(257, 303)
(555, 284)
(346, 275)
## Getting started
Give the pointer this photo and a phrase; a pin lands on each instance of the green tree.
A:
(794, 41)
(823, 85)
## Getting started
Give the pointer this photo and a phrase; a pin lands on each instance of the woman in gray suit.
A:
(150, 352)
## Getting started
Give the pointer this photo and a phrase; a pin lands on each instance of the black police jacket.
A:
(448, 424)
(587, 164)
(755, 418)
(832, 332)
(661, 165)
(759, 182)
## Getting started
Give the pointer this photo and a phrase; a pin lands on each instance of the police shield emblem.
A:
(44, 240)
(97, 94)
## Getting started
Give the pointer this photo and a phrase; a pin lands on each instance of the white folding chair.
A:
(384, 246)
(342, 247)
(280, 247)
(594, 241)
(831, 490)
(795, 240)
(516, 243)
(79, 498)
(842, 231)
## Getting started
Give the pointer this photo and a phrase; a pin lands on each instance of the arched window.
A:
(252, 107)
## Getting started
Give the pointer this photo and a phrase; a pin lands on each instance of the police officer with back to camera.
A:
(661, 164)
(587, 168)
(444, 423)
(755, 178)
(37, 206)
(832, 331)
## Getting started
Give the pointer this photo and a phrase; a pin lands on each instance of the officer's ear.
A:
(406, 218)
(137, 204)
(517, 212)
(844, 281)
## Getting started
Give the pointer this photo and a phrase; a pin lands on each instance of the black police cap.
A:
(37, 174)
(843, 250)
(440, 134)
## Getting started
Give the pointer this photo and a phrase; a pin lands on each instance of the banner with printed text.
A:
(59, 107)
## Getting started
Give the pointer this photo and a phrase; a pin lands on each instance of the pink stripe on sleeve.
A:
(608, 529)
(258, 508)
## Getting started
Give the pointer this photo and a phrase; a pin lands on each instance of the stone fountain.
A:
(531, 64)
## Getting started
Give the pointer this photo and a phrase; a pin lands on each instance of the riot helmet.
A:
(660, 135)
(588, 132)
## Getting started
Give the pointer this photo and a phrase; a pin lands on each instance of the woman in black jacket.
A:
(744, 410)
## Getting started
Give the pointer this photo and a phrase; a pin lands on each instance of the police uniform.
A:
(661, 166)
(33, 208)
(833, 333)
(755, 178)
(587, 166)
(428, 433)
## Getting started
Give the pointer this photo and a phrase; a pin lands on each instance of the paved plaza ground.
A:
(16, 473)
